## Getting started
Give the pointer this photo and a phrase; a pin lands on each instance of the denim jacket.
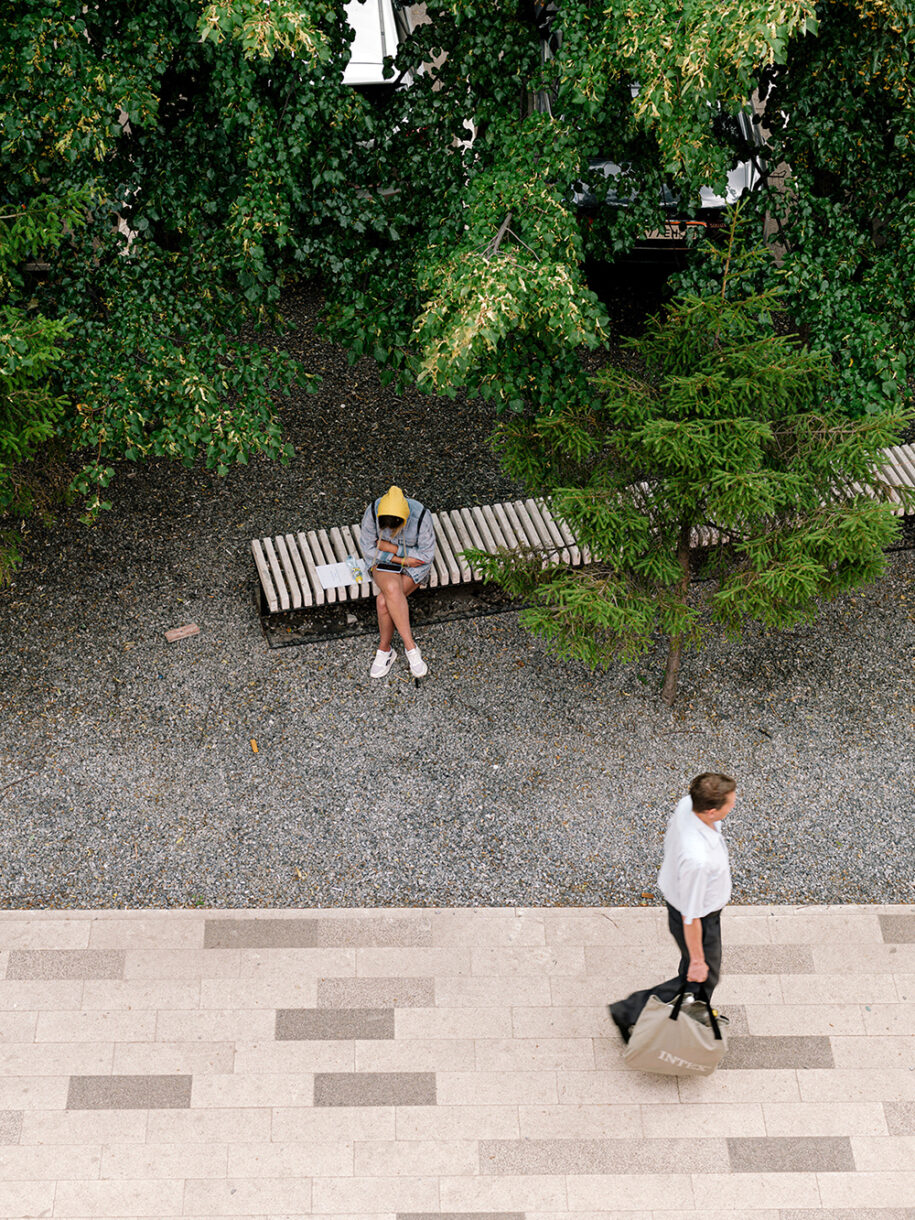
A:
(416, 539)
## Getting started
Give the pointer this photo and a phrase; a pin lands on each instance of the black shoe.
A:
(618, 1021)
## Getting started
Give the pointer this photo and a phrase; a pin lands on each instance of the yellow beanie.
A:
(394, 504)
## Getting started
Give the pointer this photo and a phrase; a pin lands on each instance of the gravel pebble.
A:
(128, 777)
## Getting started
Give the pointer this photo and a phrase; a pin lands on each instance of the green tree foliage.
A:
(186, 135)
(841, 115)
(836, 78)
(731, 433)
(217, 155)
(31, 348)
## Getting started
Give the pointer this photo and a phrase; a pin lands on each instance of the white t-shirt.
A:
(695, 875)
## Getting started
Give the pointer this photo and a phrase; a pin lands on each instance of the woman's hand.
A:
(388, 547)
(410, 561)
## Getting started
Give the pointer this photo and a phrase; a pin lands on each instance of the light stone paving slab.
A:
(458, 1122)
(19, 1026)
(33, 1093)
(806, 1019)
(232, 1090)
(191, 1058)
(825, 1118)
(884, 1152)
(269, 993)
(448, 1064)
(59, 934)
(469, 1023)
(32, 996)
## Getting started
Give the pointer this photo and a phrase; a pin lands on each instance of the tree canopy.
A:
(175, 164)
(724, 456)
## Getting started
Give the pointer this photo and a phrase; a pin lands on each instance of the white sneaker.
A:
(383, 662)
(418, 667)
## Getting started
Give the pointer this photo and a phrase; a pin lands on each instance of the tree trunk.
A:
(675, 652)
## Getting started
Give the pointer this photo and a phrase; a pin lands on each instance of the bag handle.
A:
(703, 995)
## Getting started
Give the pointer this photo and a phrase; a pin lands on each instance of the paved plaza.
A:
(411, 1064)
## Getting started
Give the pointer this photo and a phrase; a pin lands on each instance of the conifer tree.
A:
(727, 433)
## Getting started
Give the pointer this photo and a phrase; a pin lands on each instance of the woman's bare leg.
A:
(392, 608)
(385, 623)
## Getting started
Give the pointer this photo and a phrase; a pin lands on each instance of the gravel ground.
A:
(128, 776)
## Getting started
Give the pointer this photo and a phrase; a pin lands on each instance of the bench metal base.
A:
(346, 619)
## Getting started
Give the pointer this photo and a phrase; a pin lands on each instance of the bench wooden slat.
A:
(263, 571)
(457, 546)
(319, 558)
(463, 523)
(508, 530)
(309, 561)
(340, 593)
(511, 512)
(530, 527)
(494, 527)
(292, 583)
(443, 548)
(568, 538)
(351, 535)
(304, 583)
(282, 591)
(341, 549)
(535, 518)
(438, 573)
(484, 530)
(553, 530)
(900, 470)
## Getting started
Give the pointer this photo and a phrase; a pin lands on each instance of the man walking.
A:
(695, 880)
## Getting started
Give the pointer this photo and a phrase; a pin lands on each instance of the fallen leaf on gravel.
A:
(253, 745)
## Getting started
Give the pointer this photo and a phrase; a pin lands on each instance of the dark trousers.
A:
(629, 1010)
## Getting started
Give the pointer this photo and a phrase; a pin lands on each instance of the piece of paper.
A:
(336, 575)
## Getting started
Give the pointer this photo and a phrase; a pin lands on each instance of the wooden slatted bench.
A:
(286, 564)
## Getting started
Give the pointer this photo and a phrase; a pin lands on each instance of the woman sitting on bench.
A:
(397, 535)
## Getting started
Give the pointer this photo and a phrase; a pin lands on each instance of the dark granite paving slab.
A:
(260, 934)
(602, 1156)
(316, 1024)
(898, 929)
(778, 1051)
(65, 964)
(900, 1117)
(768, 959)
(372, 931)
(10, 1126)
(376, 993)
(375, 1089)
(848, 1213)
(797, 1154)
(129, 1093)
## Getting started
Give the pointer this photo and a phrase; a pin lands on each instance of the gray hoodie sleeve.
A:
(368, 536)
(425, 542)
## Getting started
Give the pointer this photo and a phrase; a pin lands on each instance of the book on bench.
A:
(353, 571)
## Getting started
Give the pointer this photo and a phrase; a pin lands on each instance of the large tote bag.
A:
(666, 1040)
